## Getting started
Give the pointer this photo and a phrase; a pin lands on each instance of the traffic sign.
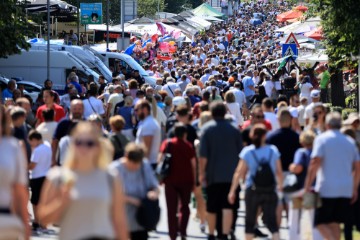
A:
(289, 50)
(292, 40)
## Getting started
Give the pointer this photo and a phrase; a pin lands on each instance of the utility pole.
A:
(48, 41)
(122, 10)
(107, 24)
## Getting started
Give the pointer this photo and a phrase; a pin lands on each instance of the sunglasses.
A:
(85, 143)
(259, 116)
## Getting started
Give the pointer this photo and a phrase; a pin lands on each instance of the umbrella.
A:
(316, 34)
(301, 8)
(258, 15)
(288, 15)
(255, 21)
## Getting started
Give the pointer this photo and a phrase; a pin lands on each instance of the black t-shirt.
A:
(170, 122)
(64, 128)
(21, 133)
(246, 136)
(101, 88)
(287, 141)
(191, 134)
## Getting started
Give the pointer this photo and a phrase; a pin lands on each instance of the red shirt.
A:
(59, 112)
(248, 124)
(181, 171)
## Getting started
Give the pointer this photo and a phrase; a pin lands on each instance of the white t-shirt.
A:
(309, 111)
(301, 112)
(170, 85)
(294, 112)
(41, 155)
(234, 110)
(114, 99)
(272, 118)
(269, 86)
(93, 106)
(239, 97)
(305, 90)
(150, 127)
(47, 130)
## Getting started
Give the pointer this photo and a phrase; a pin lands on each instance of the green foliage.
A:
(346, 111)
(350, 101)
(181, 5)
(340, 21)
(148, 8)
(14, 28)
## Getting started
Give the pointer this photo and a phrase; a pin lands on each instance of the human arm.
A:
(118, 210)
(356, 176)
(279, 176)
(240, 173)
(54, 148)
(147, 140)
(315, 164)
(20, 201)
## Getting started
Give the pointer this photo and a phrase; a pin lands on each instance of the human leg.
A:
(139, 235)
(171, 196)
(295, 219)
(251, 208)
(185, 195)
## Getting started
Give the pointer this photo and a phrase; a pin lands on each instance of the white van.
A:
(82, 53)
(32, 66)
(111, 58)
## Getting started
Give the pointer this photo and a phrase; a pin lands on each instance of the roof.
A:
(205, 10)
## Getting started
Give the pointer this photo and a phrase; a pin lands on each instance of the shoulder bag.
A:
(148, 214)
(163, 168)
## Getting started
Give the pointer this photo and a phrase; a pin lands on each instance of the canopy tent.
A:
(255, 21)
(300, 27)
(205, 10)
(288, 15)
(57, 8)
(201, 21)
(316, 34)
(213, 19)
(313, 58)
(301, 8)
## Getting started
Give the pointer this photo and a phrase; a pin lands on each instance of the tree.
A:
(148, 8)
(341, 26)
(14, 28)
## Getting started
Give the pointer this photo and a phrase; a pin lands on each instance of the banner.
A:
(91, 13)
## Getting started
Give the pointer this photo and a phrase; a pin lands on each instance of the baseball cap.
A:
(177, 101)
(315, 94)
(352, 118)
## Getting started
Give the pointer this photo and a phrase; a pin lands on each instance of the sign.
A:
(91, 13)
(289, 50)
(292, 40)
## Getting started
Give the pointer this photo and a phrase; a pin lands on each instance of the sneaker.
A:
(211, 237)
(202, 227)
(258, 233)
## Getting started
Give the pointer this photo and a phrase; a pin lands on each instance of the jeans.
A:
(173, 194)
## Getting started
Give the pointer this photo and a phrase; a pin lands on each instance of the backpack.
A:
(118, 147)
(263, 179)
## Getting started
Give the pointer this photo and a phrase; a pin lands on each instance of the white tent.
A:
(313, 58)
(300, 27)
(200, 21)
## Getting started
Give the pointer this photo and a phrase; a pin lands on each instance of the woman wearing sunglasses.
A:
(83, 197)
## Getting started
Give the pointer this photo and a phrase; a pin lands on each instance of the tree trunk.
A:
(337, 89)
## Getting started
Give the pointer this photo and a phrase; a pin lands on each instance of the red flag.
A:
(154, 38)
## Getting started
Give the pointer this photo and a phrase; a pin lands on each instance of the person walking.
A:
(287, 142)
(84, 188)
(217, 167)
(260, 167)
(249, 87)
(148, 132)
(118, 140)
(13, 183)
(127, 112)
(336, 181)
(139, 182)
(49, 100)
(181, 180)
(92, 105)
(48, 127)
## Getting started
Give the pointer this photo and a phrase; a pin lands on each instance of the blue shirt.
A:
(334, 178)
(6, 94)
(302, 158)
(77, 86)
(262, 153)
(126, 113)
(247, 82)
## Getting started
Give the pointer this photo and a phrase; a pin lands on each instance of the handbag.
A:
(291, 183)
(148, 213)
(163, 168)
(311, 200)
(11, 227)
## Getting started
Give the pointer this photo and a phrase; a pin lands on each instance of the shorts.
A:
(36, 186)
(217, 197)
(332, 210)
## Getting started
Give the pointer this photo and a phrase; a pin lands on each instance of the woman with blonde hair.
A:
(233, 108)
(83, 196)
(14, 217)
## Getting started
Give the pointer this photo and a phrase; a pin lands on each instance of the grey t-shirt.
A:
(136, 184)
(221, 144)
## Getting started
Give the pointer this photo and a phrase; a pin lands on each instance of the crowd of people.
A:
(227, 125)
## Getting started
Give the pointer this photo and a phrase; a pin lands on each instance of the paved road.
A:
(193, 227)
